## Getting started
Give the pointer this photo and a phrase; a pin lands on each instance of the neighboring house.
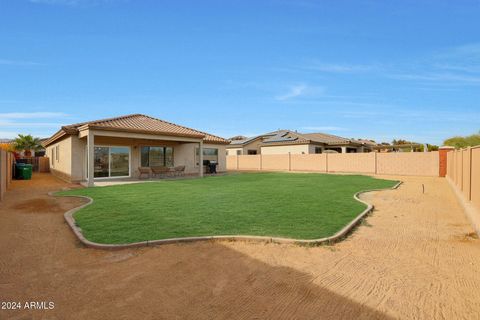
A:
(117, 147)
(285, 141)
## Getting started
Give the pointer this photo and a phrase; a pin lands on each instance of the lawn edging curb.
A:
(340, 235)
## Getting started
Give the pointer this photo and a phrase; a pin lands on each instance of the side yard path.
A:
(414, 257)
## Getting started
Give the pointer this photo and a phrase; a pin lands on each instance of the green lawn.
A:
(292, 205)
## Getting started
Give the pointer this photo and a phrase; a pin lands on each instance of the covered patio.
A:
(125, 148)
(120, 155)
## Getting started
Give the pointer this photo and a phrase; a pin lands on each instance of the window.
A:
(338, 150)
(239, 152)
(111, 162)
(52, 155)
(318, 149)
(209, 154)
(57, 151)
(251, 151)
(156, 156)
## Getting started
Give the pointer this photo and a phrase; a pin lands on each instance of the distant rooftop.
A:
(293, 137)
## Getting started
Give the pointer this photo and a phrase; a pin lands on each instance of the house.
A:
(286, 141)
(116, 147)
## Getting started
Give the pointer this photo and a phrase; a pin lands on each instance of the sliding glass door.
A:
(101, 162)
(111, 162)
(119, 162)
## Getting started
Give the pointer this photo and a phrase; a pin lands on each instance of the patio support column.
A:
(200, 157)
(90, 155)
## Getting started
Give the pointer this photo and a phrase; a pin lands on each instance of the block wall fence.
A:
(6, 162)
(463, 173)
(408, 163)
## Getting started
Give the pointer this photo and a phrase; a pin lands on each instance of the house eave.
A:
(127, 130)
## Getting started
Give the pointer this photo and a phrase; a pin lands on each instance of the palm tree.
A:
(27, 143)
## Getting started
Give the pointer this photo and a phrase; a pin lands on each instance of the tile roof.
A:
(287, 137)
(329, 139)
(367, 142)
(138, 123)
(241, 140)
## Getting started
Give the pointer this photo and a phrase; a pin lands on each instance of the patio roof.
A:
(138, 123)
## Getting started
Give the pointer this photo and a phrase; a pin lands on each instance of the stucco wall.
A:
(184, 154)
(79, 147)
(254, 145)
(293, 149)
(63, 166)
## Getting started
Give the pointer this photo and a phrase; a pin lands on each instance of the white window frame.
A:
(110, 177)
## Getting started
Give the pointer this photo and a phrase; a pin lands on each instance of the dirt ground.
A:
(415, 257)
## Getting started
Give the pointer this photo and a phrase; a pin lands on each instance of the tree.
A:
(430, 147)
(407, 146)
(463, 142)
(27, 143)
(9, 147)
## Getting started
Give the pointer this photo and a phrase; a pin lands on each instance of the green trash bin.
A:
(19, 170)
(27, 172)
(23, 171)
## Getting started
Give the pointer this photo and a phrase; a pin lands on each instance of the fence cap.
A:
(446, 148)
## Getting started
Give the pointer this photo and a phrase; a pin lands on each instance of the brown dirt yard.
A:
(415, 257)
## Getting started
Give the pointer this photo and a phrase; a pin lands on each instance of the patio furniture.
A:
(143, 171)
(161, 171)
(179, 171)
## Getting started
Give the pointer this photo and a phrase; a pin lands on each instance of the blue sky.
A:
(366, 69)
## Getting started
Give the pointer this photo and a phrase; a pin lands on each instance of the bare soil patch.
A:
(408, 263)
(39, 205)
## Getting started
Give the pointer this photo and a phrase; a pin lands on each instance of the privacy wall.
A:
(6, 161)
(411, 163)
(463, 170)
